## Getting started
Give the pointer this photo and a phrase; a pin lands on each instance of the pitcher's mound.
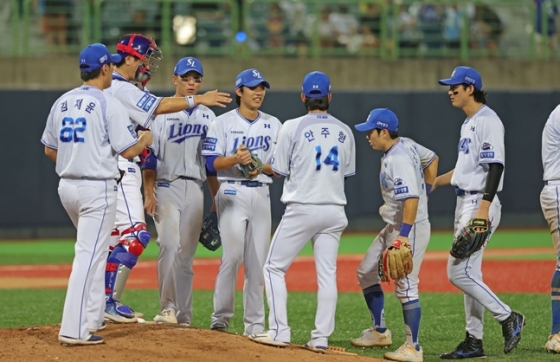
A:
(152, 342)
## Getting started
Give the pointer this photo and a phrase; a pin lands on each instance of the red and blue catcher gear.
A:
(143, 48)
(121, 260)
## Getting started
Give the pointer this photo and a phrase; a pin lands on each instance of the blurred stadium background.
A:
(377, 53)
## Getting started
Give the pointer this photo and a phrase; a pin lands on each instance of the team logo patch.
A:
(401, 190)
(487, 154)
(131, 130)
(115, 188)
(131, 170)
(398, 181)
(230, 192)
(486, 146)
(162, 184)
(146, 102)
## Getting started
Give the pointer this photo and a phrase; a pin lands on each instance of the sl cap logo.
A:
(191, 62)
(256, 74)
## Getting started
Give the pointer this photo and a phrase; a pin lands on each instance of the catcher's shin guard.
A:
(121, 260)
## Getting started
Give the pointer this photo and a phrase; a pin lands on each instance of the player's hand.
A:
(243, 155)
(145, 137)
(253, 174)
(213, 98)
(150, 205)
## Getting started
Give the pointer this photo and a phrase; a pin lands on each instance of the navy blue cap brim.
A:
(116, 58)
(450, 81)
(254, 83)
(364, 127)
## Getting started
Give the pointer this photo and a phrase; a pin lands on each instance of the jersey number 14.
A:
(72, 129)
(331, 159)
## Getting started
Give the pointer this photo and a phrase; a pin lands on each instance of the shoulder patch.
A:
(401, 190)
(146, 102)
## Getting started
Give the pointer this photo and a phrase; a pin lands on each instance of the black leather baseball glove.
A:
(471, 239)
(210, 235)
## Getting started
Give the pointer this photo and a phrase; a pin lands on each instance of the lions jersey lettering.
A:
(230, 130)
(178, 142)
(320, 177)
(481, 143)
(179, 132)
(402, 177)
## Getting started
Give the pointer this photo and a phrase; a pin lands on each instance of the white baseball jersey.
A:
(402, 177)
(550, 146)
(231, 130)
(331, 149)
(177, 142)
(140, 104)
(482, 143)
(89, 128)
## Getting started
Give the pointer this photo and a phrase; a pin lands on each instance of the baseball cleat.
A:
(90, 339)
(372, 338)
(511, 330)
(219, 326)
(318, 349)
(553, 343)
(469, 348)
(113, 312)
(103, 326)
(264, 338)
(167, 316)
(406, 353)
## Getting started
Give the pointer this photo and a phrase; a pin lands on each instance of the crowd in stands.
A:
(415, 28)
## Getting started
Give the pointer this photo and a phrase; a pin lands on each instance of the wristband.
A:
(405, 230)
(190, 102)
(428, 189)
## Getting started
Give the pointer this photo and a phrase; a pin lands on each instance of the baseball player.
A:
(243, 202)
(85, 131)
(173, 175)
(137, 65)
(315, 152)
(477, 177)
(407, 172)
(550, 200)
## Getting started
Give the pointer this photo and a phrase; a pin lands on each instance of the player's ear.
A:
(302, 96)
(174, 79)
(329, 97)
(238, 92)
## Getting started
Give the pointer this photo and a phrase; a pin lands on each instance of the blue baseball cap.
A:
(316, 85)
(94, 56)
(186, 65)
(380, 118)
(250, 78)
(463, 75)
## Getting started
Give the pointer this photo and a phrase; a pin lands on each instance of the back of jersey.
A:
(315, 153)
(78, 129)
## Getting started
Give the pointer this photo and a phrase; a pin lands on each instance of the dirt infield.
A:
(154, 343)
(150, 342)
(301, 276)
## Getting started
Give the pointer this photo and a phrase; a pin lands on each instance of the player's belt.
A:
(248, 183)
(552, 182)
(461, 192)
(188, 178)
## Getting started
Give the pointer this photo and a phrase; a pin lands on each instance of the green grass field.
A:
(442, 319)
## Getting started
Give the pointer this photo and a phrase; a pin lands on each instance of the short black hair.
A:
(317, 104)
(392, 134)
(238, 98)
(90, 75)
(478, 95)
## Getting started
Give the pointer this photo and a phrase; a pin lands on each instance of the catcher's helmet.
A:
(141, 47)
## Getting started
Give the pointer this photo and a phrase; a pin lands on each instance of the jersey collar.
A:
(117, 76)
(477, 112)
(393, 146)
(248, 120)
